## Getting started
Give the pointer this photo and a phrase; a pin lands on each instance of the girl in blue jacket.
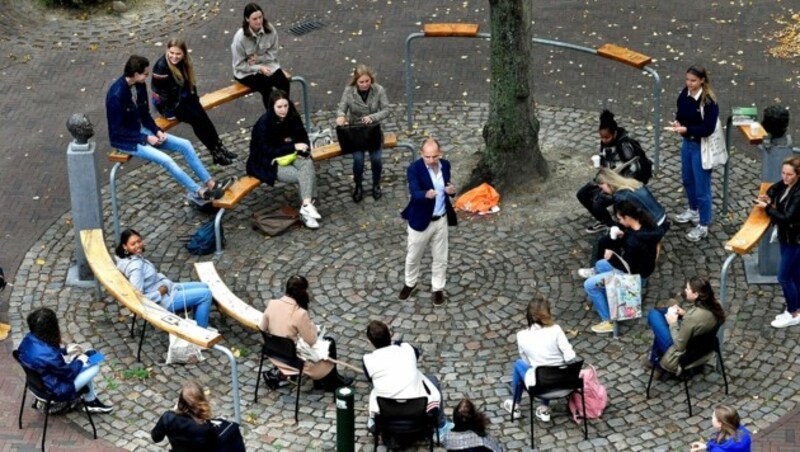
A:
(729, 436)
(41, 351)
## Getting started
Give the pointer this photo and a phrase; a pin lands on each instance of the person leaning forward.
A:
(430, 188)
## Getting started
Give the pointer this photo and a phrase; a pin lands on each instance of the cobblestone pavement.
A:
(354, 265)
(47, 76)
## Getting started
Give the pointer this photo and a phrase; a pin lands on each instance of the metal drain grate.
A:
(305, 27)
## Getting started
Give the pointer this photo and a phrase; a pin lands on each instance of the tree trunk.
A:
(511, 156)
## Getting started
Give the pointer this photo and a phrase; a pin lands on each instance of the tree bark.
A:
(511, 156)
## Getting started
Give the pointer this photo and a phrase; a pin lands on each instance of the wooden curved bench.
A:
(753, 228)
(226, 300)
(123, 291)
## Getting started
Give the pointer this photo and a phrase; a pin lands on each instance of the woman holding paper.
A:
(42, 352)
(696, 119)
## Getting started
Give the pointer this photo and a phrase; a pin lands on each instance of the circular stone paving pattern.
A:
(354, 263)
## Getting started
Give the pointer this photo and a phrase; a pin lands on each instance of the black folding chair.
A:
(35, 384)
(283, 350)
(556, 382)
(406, 419)
(698, 351)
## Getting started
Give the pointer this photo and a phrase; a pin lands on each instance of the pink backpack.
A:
(594, 393)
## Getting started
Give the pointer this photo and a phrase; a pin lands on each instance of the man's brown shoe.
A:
(438, 298)
(406, 292)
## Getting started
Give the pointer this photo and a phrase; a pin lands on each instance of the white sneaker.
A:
(309, 210)
(782, 315)
(785, 322)
(687, 216)
(699, 232)
(309, 222)
(543, 413)
(587, 273)
(507, 404)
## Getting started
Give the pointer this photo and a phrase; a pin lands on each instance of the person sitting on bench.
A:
(133, 131)
(143, 275)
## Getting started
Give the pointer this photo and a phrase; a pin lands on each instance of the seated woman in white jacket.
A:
(543, 343)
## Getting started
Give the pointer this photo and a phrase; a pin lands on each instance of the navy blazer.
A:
(419, 210)
(126, 118)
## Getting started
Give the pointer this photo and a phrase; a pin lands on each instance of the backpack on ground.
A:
(203, 240)
(594, 393)
(274, 222)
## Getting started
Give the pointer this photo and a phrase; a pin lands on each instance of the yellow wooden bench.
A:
(115, 283)
(623, 55)
(753, 228)
(450, 30)
(226, 300)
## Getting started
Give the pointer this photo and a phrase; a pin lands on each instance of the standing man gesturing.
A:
(430, 188)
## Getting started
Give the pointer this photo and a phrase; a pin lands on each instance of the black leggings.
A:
(191, 112)
(596, 202)
(264, 84)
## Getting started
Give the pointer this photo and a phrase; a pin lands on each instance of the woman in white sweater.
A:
(543, 343)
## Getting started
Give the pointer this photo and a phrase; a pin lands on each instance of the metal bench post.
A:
(306, 106)
(237, 410)
(411, 153)
(112, 188)
(218, 230)
(723, 293)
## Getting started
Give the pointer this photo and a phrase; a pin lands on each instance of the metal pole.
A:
(306, 106)
(345, 420)
(723, 293)
(411, 152)
(407, 75)
(218, 230)
(728, 127)
(237, 410)
(656, 115)
(112, 187)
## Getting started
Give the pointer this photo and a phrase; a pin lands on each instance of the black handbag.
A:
(359, 137)
(229, 434)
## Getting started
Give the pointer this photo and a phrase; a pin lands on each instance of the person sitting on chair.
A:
(288, 317)
(41, 352)
(187, 426)
(392, 370)
(674, 327)
(729, 433)
(469, 430)
(543, 343)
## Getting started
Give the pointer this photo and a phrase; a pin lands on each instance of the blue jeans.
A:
(662, 338)
(696, 181)
(518, 381)
(85, 379)
(192, 295)
(598, 293)
(175, 144)
(789, 275)
(375, 161)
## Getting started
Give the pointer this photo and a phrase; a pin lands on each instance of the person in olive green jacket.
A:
(673, 327)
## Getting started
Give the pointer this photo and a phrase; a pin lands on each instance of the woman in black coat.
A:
(280, 150)
(188, 426)
(782, 204)
(175, 96)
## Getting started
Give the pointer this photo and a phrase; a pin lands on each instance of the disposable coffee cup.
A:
(596, 161)
(754, 128)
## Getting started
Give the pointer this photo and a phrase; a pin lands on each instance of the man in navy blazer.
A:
(430, 188)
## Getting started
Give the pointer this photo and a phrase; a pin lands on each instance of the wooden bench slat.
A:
(450, 30)
(753, 138)
(121, 289)
(236, 192)
(752, 230)
(333, 150)
(623, 55)
(226, 300)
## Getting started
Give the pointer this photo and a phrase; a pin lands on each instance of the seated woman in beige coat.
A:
(288, 317)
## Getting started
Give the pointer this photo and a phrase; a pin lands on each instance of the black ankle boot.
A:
(219, 158)
(228, 154)
(376, 192)
(358, 194)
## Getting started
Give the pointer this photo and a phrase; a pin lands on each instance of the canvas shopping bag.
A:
(624, 293)
(713, 151)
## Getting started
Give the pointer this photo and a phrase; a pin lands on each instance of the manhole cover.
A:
(305, 27)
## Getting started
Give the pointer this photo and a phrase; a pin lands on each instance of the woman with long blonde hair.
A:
(187, 426)
(175, 96)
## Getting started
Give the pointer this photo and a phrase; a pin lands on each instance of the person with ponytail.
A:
(618, 151)
(675, 326)
(175, 96)
(187, 426)
(696, 119)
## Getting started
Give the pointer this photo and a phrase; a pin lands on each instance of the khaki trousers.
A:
(435, 235)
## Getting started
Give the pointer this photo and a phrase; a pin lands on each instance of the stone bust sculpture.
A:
(80, 127)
